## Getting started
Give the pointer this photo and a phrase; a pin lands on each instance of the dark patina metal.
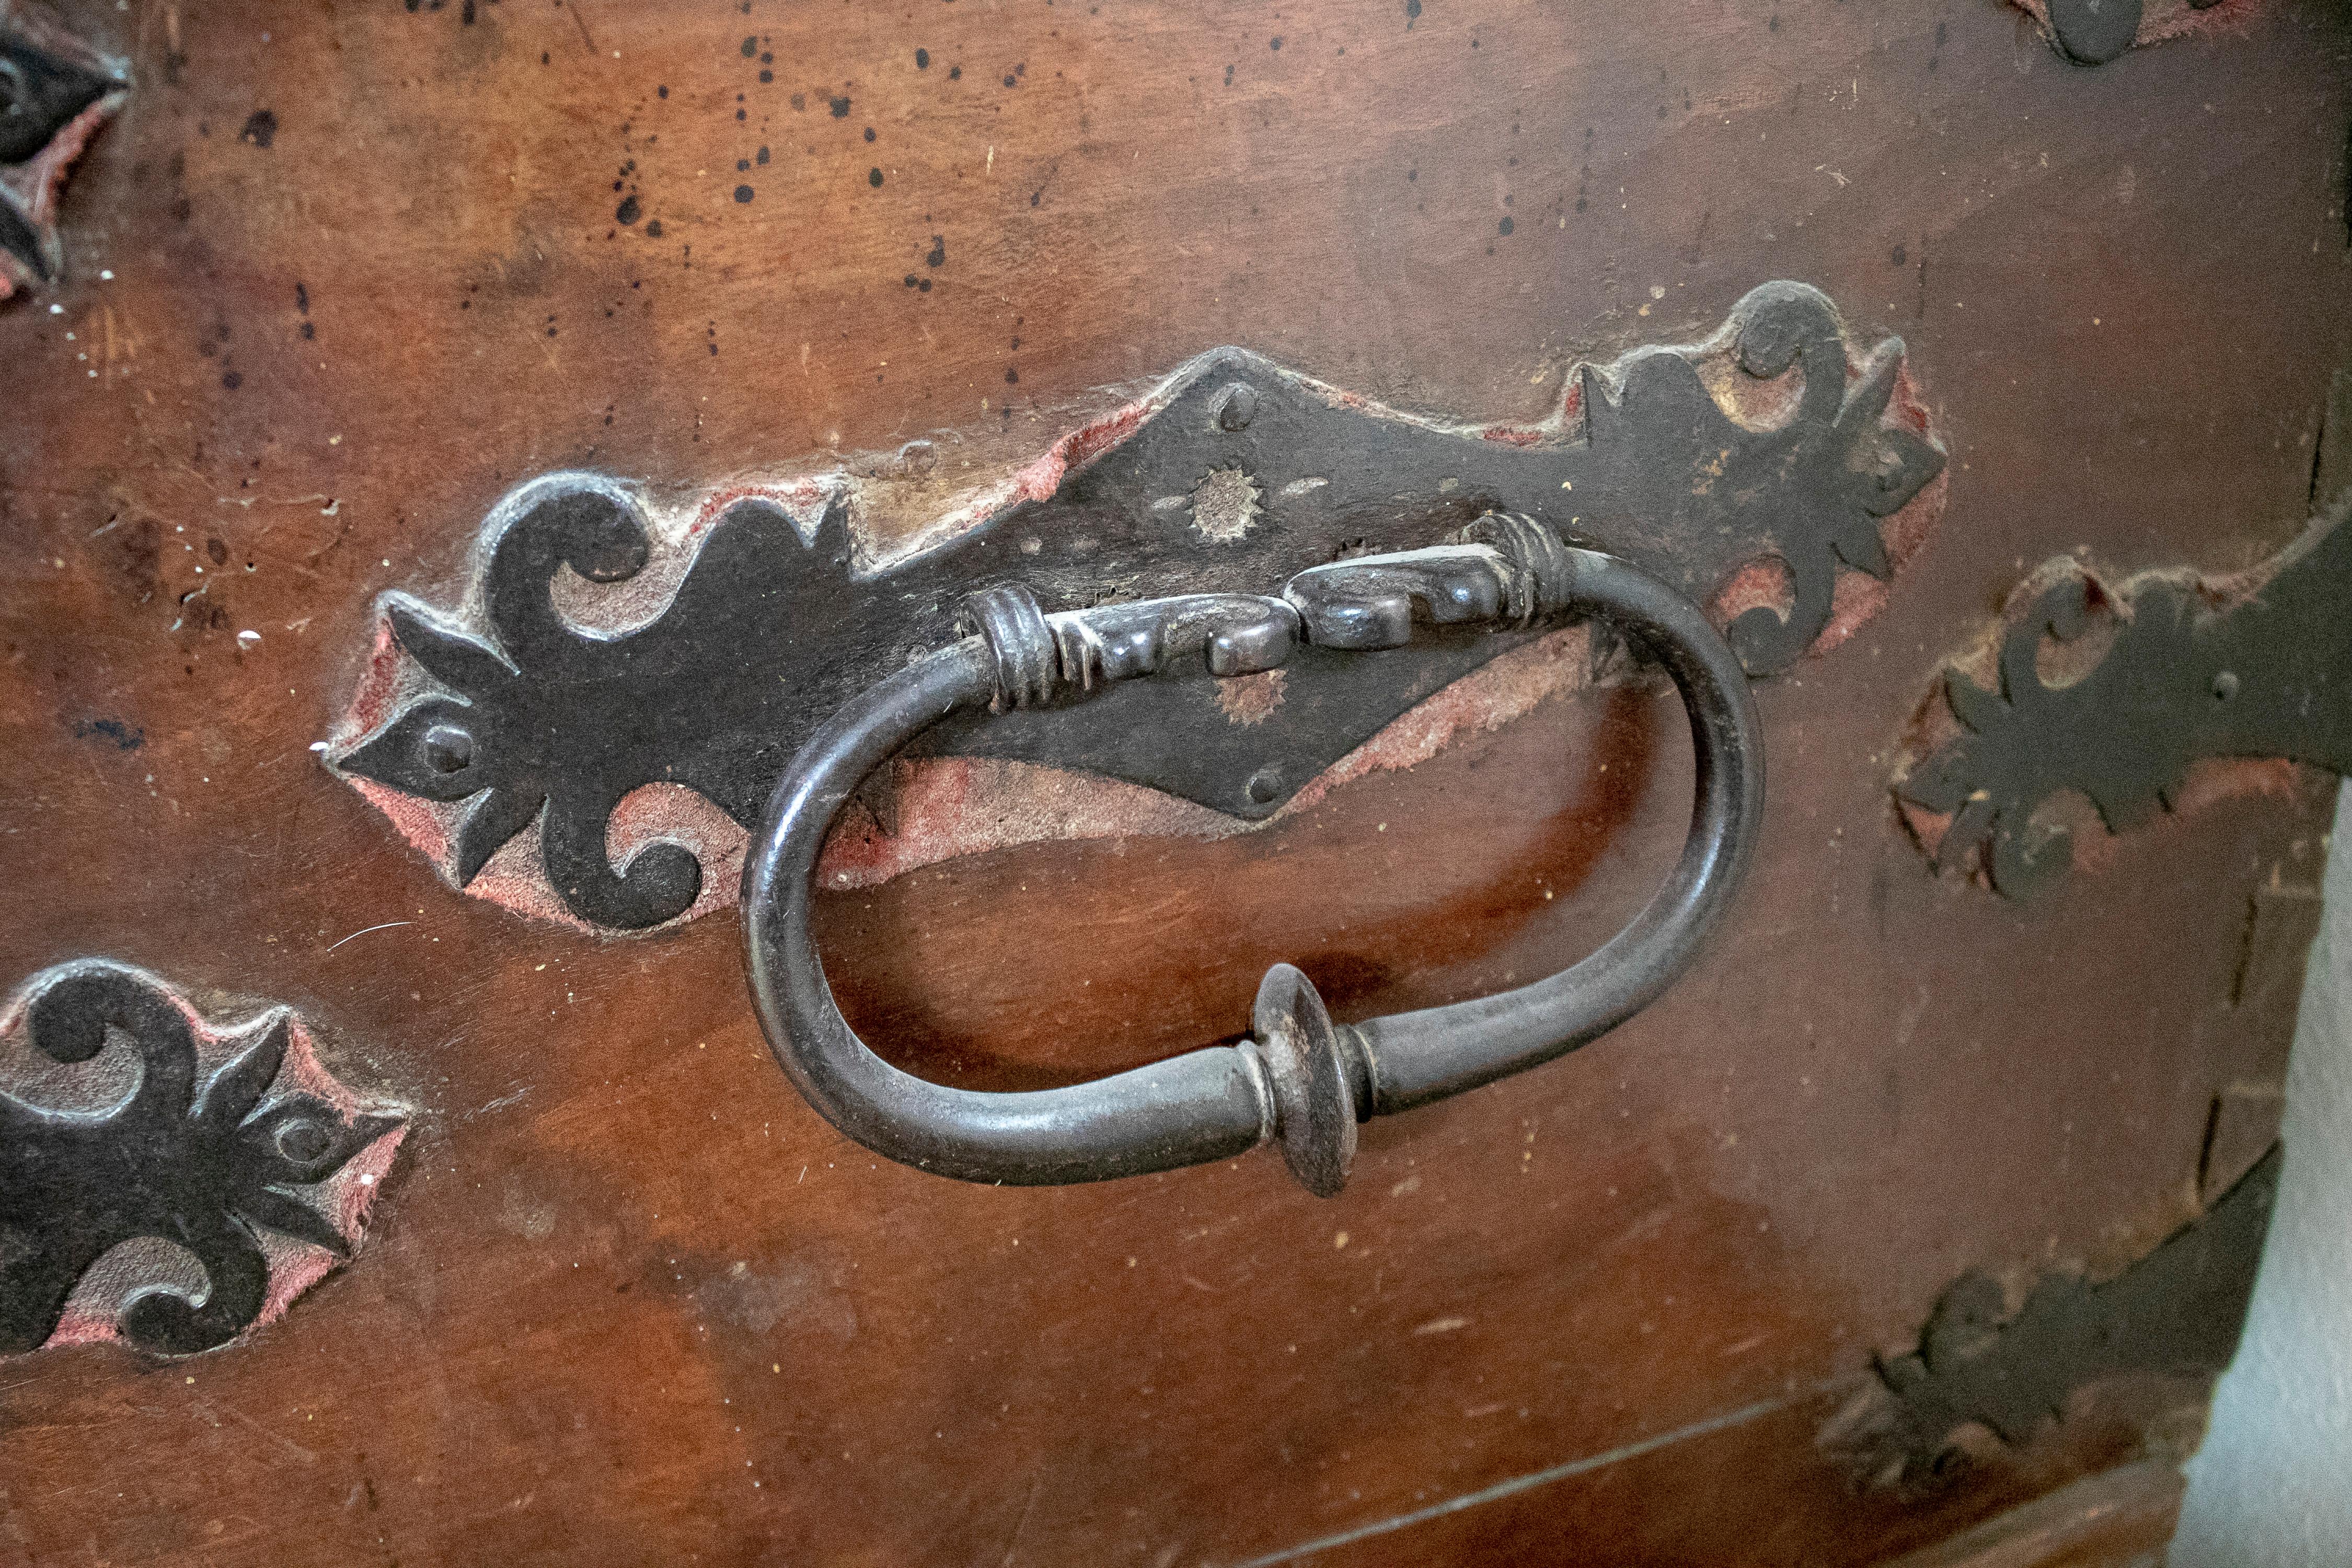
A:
(208, 1162)
(1235, 474)
(2177, 1312)
(2258, 666)
(1302, 1081)
(2093, 32)
(48, 81)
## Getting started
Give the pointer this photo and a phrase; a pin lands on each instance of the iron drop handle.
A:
(1301, 1080)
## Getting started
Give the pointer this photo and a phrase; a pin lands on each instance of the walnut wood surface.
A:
(627, 1298)
(2123, 1518)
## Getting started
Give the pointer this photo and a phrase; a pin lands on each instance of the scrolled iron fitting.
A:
(1300, 1080)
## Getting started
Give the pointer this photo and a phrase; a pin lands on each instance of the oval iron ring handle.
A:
(1301, 1080)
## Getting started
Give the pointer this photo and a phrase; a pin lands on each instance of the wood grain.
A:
(628, 1299)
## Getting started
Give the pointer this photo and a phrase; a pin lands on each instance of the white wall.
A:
(2273, 1486)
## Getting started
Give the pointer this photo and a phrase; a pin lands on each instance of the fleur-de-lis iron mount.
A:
(2176, 1312)
(234, 1145)
(2254, 666)
(1234, 473)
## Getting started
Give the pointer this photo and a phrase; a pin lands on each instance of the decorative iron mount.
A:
(55, 92)
(230, 1144)
(2178, 1312)
(1300, 1080)
(1234, 473)
(2258, 666)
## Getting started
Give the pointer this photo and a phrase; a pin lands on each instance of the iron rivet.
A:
(2225, 686)
(1265, 785)
(448, 748)
(1236, 406)
(302, 1141)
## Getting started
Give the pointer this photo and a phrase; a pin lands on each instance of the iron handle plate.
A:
(1299, 1079)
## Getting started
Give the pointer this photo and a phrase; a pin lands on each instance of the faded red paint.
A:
(953, 806)
(2211, 782)
(1905, 405)
(372, 702)
(1037, 480)
(1759, 586)
(1857, 598)
(1906, 533)
(804, 498)
(1507, 689)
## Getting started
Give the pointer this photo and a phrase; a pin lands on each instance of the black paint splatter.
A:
(939, 253)
(627, 212)
(874, 177)
(922, 59)
(742, 195)
(840, 108)
(260, 128)
(125, 737)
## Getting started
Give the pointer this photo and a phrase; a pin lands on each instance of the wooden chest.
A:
(465, 453)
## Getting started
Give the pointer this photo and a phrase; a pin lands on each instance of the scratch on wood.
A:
(1517, 1484)
(1022, 1522)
